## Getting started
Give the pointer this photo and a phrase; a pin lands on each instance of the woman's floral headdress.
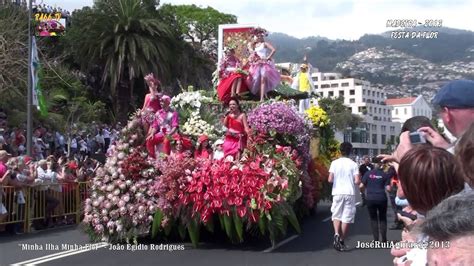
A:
(151, 77)
(259, 32)
(186, 142)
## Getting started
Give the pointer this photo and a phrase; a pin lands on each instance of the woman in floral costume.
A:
(165, 124)
(237, 130)
(264, 76)
(231, 77)
(151, 105)
(203, 150)
(182, 147)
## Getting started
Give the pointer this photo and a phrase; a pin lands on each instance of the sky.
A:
(334, 19)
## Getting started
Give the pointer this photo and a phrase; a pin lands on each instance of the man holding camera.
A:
(456, 103)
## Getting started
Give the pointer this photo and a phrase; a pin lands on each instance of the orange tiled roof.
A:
(398, 101)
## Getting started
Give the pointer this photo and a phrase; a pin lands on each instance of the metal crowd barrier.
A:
(42, 202)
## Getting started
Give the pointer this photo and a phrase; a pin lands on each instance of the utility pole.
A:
(29, 118)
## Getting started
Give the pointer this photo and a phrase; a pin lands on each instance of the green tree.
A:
(340, 114)
(196, 30)
(197, 24)
(126, 41)
(68, 99)
(13, 55)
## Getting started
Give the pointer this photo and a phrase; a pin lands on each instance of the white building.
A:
(377, 128)
(405, 108)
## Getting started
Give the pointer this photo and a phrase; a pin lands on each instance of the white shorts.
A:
(343, 208)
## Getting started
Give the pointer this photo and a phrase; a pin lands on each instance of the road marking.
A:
(58, 255)
(329, 218)
(284, 242)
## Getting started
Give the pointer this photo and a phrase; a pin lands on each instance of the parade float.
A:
(277, 181)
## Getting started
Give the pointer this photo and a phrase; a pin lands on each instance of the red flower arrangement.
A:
(174, 178)
(135, 164)
(219, 187)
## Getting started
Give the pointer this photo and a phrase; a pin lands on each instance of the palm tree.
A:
(124, 39)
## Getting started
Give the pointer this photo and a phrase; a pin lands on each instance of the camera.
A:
(376, 160)
(417, 138)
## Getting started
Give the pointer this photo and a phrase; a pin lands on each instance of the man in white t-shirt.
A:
(344, 176)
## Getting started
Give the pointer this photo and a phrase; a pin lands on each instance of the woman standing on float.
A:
(264, 77)
(237, 130)
(151, 105)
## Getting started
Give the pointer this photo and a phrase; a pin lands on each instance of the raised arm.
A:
(272, 50)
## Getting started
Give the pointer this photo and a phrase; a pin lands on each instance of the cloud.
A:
(335, 19)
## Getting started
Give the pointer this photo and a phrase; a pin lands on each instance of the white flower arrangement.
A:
(191, 99)
(195, 126)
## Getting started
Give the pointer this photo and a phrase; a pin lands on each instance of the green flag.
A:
(38, 97)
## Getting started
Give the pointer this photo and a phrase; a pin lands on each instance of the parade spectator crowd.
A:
(57, 163)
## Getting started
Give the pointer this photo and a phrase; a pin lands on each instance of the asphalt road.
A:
(312, 247)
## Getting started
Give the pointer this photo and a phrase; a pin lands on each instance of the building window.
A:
(374, 127)
(374, 138)
(325, 86)
(384, 111)
(334, 85)
(341, 93)
(352, 92)
(345, 84)
(315, 86)
(370, 109)
(347, 136)
(363, 100)
(392, 139)
(315, 78)
(405, 110)
(380, 110)
(373, 93)
(331, 94)
(352, 100)
(363, 92)
(392, 129)
(378, 94)
(332, 78)
(384, 139)
(384, 128)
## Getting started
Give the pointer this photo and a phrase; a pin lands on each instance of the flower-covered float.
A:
(277, 180)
